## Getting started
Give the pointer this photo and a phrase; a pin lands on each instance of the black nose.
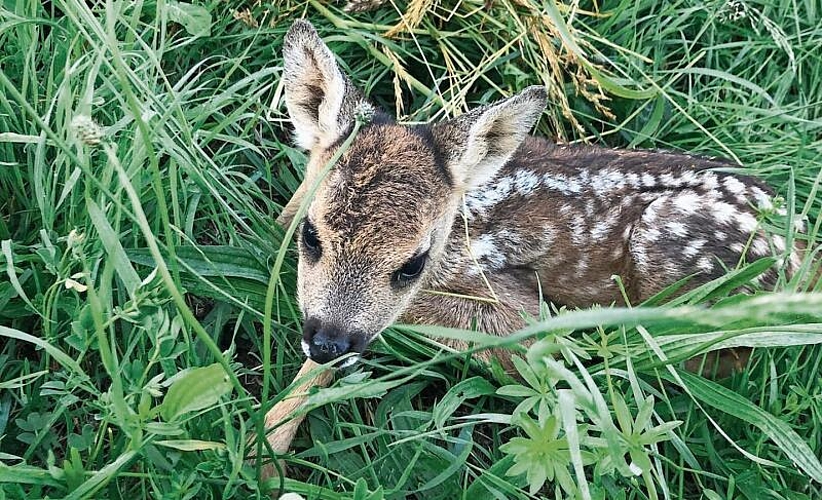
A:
(325, 342)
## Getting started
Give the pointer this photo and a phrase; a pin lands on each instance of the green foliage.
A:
(147, 313)
(195, 390)
(543, 456)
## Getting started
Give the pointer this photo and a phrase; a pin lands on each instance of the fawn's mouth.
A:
(345, 361)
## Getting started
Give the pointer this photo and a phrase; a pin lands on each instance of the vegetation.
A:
(142, 165)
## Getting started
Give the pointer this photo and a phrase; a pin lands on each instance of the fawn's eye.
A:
(311, 242)
(410, 270)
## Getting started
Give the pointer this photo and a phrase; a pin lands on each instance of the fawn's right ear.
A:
(320, 99)
(479, 143)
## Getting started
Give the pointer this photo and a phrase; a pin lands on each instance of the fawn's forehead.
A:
(389, 186)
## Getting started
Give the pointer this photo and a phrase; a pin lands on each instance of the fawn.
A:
(465, 222)
(474, 207)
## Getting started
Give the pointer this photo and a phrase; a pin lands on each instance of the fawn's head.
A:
(380, 219)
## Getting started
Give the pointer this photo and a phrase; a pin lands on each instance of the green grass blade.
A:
(780, 433)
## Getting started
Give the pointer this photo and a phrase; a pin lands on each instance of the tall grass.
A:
(136, 258)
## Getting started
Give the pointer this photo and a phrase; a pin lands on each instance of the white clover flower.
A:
(154, 386)
(364, 112)
(87, 130)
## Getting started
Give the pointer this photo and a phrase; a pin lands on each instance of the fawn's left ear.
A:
(479, 143)
(319, 97)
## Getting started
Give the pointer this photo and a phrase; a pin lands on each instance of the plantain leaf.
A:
(196, 389)
(493, 483)
(681, 347)
(211, 261)
(194, 18)
(64, 359)
(221, 272)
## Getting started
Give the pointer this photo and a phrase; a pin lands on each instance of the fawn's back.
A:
(576, 215)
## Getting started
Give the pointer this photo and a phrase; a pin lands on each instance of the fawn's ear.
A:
(480, 142)
(319, 97)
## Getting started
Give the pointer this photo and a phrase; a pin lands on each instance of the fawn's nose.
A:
(325, 342)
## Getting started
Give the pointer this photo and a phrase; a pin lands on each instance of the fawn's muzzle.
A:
(324, 342)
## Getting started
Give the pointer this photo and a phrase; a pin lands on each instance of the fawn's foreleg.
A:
(285, 417)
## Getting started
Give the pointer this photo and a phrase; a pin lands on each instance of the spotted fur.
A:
(499, 214)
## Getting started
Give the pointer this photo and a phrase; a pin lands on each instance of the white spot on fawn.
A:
(484, 248)
(503, 186)
(582, 266)
(693, 248)
(602, 228)
(677, 228)
(689, 178)
(577, 224)
(627, 201)
(589, 208)
(549, 234)
(562, 184)
(710, 181)
(705, 264)
(687, 202)
(669, 180)
(649, 215)
(746, 221)
(734, 185)
(796, 261)
(763, 201)
(760, 247)
(640, 255)
(652, 234)
(525, 182)
(480, 200)
(648, 180)
(607, 181)
(723, 212)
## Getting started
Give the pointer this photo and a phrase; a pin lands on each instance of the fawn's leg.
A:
(278, 416)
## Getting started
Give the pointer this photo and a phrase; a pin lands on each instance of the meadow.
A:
(147, 309)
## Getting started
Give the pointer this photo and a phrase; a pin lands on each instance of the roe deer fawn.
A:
(475, 207)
